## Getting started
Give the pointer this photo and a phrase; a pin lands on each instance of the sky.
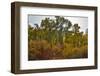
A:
(81, 21)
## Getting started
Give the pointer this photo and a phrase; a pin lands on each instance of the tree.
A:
(62, 30)
(30, 32)
(76, 28)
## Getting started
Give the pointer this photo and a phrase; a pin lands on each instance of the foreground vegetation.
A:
(56, 39)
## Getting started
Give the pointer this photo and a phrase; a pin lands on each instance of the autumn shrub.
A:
(70, 52)
(84, 51)
(79, 52)
(38, 49)
(57, 51)
(67, 50)
(42, 50)
(75, 53)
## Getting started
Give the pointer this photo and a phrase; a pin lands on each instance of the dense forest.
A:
(57, 39)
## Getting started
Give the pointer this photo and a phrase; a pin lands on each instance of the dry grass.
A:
(42, 50)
